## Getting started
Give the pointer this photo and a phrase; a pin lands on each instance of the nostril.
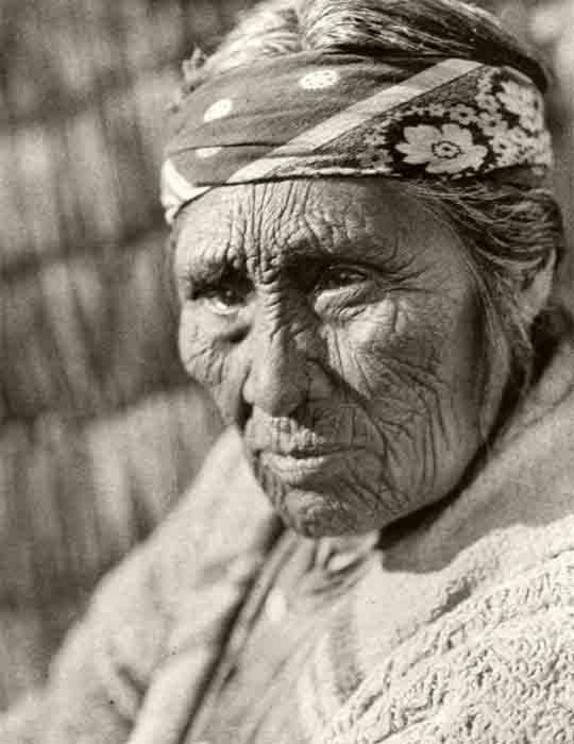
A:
(237, 335)
(244, 412)
(276, 379)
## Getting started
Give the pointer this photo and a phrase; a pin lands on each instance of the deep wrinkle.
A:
(345, 347)
(311, 246)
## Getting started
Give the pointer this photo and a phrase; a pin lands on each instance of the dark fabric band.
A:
(325, 115)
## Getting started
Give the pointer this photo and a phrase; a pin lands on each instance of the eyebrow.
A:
(303, 249)
(208, 271)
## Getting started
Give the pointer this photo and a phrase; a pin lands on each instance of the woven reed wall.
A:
(556, 48)
(99, 430)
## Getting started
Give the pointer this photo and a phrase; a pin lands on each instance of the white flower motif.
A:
(319, 79)
(488, 102)
(515, 97)
(507, 151)
(462, 114)
(519, 137)
(490, 123)
(449, 149)
(524, 102)
(218, 110)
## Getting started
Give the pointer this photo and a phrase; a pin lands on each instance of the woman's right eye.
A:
(224, 300)
(225, 297)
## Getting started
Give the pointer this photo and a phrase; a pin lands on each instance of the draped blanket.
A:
(463, 631)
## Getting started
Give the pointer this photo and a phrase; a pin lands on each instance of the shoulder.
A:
(498, 669)
(154, 624)
(221, 517)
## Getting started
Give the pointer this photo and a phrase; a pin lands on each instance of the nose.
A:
(278, 380)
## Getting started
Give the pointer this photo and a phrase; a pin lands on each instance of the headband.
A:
(322, 115)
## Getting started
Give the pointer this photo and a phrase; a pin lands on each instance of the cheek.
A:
(413, 364)
(198, 350)
(374, 351)
(213, 363)
(396, 349)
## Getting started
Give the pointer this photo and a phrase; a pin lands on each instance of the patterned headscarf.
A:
(322, 115)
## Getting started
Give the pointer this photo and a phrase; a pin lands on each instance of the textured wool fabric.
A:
(314, 114)
(460, 631)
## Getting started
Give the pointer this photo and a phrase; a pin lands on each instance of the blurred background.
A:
(99, 430)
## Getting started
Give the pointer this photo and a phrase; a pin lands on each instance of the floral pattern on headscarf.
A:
(313, 115)
(503, 124)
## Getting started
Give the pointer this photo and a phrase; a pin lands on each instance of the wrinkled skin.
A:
(338, 324)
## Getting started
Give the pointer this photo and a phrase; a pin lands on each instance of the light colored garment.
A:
(462, 632)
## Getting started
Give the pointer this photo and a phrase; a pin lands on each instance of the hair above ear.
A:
(535, 295)
(418, 28)
(412, 29)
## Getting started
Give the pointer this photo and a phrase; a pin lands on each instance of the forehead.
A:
(259, 226)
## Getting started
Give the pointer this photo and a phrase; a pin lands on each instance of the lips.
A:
(289, 440)
(292, 451)
(304, 453)
(300, 465)
(298, 460)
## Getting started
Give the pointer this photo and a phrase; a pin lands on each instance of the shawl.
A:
(464, 632)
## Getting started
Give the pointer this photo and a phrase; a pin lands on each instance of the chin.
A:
(322, 510)
(312, 514)
(339, 494)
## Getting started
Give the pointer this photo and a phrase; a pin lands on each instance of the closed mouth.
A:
(306, 453)
(302, 461)
(292, 469)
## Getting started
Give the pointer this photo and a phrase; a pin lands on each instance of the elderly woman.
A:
(381, 549)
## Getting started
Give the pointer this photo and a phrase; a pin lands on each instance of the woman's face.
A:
(338, 324)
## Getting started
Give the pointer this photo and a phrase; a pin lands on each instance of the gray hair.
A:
(512, 229)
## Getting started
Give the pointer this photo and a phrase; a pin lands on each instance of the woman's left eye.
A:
(340, 277)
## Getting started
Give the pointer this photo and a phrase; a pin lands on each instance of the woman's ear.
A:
(535, 295)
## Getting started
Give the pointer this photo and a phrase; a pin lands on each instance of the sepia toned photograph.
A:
(287, 372)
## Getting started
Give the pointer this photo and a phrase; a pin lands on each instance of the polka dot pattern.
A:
(319, 80)
(204, 153)
(218, 110)
(309, 116)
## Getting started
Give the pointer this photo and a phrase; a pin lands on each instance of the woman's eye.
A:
(225, 300)
(339, 277)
